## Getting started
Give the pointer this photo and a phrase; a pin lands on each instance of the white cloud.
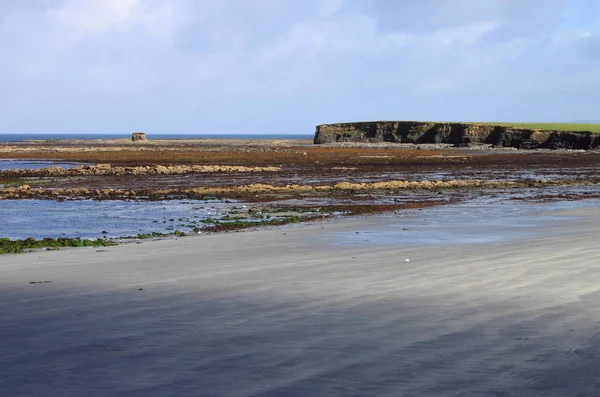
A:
(335, 57)
(104, 17)
(96, 16)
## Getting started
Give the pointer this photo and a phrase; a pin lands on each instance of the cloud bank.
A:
(253, 66)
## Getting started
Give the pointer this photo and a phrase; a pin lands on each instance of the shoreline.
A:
(282, 215)
(271, 177)
(286, 312)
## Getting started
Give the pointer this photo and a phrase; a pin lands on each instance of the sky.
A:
(284, 66)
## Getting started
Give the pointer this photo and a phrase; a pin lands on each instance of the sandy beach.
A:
(322, 198)
(299, 311)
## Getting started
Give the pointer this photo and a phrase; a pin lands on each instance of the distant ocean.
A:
(27, 137)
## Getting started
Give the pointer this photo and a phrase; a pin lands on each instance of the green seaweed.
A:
(8, 246)
(242, 224)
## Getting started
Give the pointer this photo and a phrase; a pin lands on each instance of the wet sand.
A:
(292, 312)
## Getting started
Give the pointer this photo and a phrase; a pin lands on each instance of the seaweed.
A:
(8, 246)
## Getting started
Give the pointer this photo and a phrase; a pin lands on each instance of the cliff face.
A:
(458, 134)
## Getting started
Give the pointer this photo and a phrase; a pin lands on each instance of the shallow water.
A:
(22, 164)
(485, 219)
(89, 219)
(36, 137)
(478, 221)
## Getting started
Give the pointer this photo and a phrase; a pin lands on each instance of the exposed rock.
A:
(26, 192)
(458, 134)
(107, 169)
(138, 136)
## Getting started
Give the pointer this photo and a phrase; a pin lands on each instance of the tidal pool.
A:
(23, 164)
(476, 221)
(21, 219)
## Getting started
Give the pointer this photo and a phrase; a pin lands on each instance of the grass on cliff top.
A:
(578, 127)
(553, 126)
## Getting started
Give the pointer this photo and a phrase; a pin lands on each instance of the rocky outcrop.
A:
(458, 134)
(27, 192)
(138, 136)
(107, 169)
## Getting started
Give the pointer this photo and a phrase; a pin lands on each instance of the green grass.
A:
(586, 127)
(552, 126)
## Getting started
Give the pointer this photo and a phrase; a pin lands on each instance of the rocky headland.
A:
(457, 134)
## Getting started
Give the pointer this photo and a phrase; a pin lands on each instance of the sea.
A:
(36, 137)
(95, 219)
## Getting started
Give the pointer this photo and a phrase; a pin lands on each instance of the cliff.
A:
(458, 134)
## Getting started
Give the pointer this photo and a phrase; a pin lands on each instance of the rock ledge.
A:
(457, 134)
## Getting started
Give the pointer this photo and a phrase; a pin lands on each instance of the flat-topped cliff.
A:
(459, 134)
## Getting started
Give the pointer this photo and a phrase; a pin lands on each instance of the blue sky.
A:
(283, 66)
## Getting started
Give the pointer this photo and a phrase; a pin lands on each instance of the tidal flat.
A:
(121, 189)
(362, 269)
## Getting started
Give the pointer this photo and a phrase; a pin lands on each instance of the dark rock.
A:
(458, 134)
(138, 136)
